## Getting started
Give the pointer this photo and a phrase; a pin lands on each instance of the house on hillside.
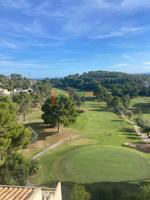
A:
(147, 84)
(4, 92)
(30, 193)
(20, 90)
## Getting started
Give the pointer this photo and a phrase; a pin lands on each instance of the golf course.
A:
(96, 152)
(102, 163)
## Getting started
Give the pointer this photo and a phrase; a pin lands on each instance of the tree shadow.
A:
(128, 131)
(145, 107)
(133, 137)
(105, 190)
(98, 109)
(117, 120)
(40, 128)
(89, 98)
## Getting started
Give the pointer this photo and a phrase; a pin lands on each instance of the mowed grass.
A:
(101, 164)
(103, 127)
(144, 104)
(34, 116)
(60, 91)
(97, 127)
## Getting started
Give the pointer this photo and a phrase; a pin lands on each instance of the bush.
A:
(79, 193)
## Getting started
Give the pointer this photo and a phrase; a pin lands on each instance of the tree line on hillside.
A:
(118, 83)
(15, 81)
(27, 100)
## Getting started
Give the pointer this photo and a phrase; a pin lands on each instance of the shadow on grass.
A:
(89, 98)
(128, 131)
(117, 120)
(98, 109)
(133, 137)
(125, 190)
(145, 107)
(40, 128)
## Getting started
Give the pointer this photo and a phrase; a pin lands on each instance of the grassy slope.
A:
(95, 127)
(60, 92)
(102, 163)
(103, 127)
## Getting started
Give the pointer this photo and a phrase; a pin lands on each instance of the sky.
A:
(54, 38)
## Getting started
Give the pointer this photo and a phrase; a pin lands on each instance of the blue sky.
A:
(54, 38)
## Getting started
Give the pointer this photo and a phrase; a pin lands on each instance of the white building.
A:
(19, 90)
(4, 92)
(30, 193)
(147, 84)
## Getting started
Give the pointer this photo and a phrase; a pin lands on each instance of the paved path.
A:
(143, 136)
(53, 146)
(28, 183)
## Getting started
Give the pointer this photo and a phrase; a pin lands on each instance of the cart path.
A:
(52, 146)
(143, 136)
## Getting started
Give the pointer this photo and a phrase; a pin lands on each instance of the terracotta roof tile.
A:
(15, 193)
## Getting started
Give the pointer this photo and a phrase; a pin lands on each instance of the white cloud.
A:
(15, 4)
(135, 4)
(121, 32)
(146, 63)
(130, 68)
(126, 56)
(119, 4)
(71, 20)
(9, 45)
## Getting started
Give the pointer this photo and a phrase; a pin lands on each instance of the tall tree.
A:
(141, 123)
(24, 102)
(126, 101)
(12, 135)
(147, 131)
(14, 168)
(62, 112)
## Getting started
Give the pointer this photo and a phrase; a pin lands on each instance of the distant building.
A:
(4, 92)
(147, 84)
(30, 193)
(19, 90)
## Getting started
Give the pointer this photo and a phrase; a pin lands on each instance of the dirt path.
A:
(67, 137)
(53, 146)
(143, 136)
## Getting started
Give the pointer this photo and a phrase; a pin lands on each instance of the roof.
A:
(15, 193)
(8, 192)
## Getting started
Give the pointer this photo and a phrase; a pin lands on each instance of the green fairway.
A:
(60, 92)
(97, 155)
(103, 127)
(144, 104)
(102, 163)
